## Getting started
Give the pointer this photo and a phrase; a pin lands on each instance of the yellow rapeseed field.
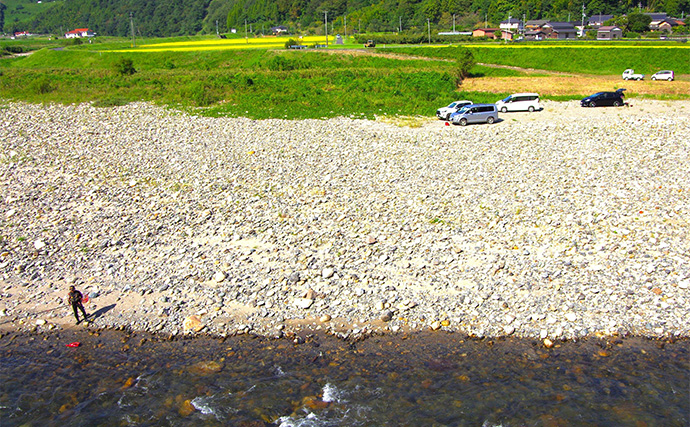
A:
(268, 42)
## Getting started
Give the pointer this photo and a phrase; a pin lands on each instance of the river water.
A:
(427, 379)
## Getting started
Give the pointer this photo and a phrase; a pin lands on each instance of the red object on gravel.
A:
(74, 344)
(85, 299)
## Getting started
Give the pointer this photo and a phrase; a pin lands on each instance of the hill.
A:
(189, 17)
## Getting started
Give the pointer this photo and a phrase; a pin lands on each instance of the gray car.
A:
(475, 113)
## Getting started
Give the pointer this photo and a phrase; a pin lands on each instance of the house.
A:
(22, 34)
(491, 33)
(535, 24)
(535, 35)
(596, 21)
(560, 30)
(280, 29)
(609, 32)
(507, 35)
(79, 32)
(663, 25)
(513, 25)
(657, 16)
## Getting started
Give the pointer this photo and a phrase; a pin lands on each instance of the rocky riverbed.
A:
(554, 225)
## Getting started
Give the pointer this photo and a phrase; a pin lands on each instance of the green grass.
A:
(579, 57)
(252, 83)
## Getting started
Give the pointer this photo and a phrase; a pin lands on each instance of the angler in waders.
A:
(75, 298)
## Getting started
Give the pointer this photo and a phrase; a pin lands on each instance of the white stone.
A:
(303, 303)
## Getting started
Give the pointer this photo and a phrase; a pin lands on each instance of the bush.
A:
(291, 42)
(114, 101)
(280, 63)
(125, 67)
(200, 94)
(41, 86)
(465, 62)
(631, 35)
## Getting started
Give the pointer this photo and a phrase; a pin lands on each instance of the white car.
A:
(663, 75)
(519, 102)
(630, 74)
(445, 112)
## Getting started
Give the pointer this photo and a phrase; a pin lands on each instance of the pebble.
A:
(141, 199)
(303, 303)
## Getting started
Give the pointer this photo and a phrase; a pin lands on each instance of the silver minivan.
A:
(475, 113)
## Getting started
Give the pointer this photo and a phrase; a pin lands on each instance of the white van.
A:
(519, 102)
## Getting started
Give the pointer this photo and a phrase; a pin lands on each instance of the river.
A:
(424, 379)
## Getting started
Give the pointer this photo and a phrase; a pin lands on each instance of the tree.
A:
(638, 22)
(2, 15)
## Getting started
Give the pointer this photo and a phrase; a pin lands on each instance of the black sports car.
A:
(600, 99)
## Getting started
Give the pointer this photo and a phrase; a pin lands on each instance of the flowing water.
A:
(428, 379)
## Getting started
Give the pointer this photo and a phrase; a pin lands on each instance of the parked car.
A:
(445, 112)
(475, 113)
(664, 75)
(519, 102)
(630, 74)
(600, 99)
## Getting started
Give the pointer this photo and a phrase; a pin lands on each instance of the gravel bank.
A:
(558, 224)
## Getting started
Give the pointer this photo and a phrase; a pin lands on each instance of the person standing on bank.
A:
(75, 298)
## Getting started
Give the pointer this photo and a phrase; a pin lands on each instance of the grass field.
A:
(257, 78)
(598, 59)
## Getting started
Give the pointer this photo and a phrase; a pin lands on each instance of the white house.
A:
(79, 32)
(511, 24)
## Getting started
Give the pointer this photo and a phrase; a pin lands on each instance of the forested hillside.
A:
(182, 17)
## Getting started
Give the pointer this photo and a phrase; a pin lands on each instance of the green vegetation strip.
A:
(294, 84)
(578, 58)
(251, 83)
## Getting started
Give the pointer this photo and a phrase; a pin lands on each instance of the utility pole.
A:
(325, 12)
(345, 19)
(217, 33)
(428, 24)
(400, 24)
(245, 31)
(510, 26)
(131, 27)
(582, 24)
(453, 22)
